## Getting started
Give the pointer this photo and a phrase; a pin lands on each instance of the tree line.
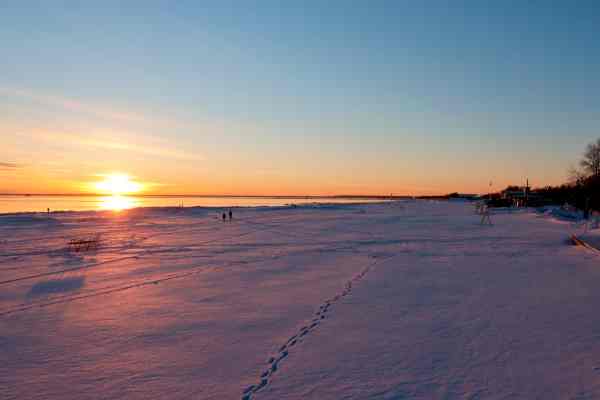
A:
(583, 190)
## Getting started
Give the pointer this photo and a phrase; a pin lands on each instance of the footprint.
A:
(320, 315)
(292, 339)
(275, 365)
(263, 383)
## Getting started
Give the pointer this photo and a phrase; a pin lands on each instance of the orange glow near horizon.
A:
(117, 203)
(117, 185)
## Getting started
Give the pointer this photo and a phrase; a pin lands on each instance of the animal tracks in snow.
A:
(273, 363)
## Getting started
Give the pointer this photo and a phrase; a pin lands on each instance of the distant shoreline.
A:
(19, 203)
(23, 203)
(367, 197)
(229, 196)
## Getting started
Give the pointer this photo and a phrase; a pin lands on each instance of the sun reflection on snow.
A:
(117, 203)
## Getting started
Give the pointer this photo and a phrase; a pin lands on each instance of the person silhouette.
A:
(224, 217)
(230, 214)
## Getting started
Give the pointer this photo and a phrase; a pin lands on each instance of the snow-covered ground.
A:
(402, 300)
(589, 231)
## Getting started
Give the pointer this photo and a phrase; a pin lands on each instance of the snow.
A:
(590, 234)
(411, 299)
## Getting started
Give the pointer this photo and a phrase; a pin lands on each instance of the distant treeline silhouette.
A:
(582, 191)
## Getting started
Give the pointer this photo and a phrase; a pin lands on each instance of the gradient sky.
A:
(272, 97)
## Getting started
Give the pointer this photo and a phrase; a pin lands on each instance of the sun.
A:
(117, 203)
(118, 184)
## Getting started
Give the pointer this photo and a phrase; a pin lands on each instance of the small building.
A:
(522, 197)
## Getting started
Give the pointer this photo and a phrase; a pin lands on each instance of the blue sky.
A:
(389, 96)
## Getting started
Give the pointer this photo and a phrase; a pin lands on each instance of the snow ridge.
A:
(324, 309)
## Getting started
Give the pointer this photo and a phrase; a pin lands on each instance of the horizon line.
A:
(374, 196)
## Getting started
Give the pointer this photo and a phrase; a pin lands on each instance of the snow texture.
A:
(402, 300)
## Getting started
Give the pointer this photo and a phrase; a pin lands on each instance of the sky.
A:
(296, 98)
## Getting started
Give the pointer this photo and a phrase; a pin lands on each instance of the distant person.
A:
(230, 214)
(224, 217)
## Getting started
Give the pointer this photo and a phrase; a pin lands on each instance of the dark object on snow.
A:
(84, 244)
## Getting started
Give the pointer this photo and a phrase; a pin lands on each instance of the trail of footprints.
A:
(283, 352)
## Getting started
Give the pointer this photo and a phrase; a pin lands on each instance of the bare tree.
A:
(575, 175)
(591, 159)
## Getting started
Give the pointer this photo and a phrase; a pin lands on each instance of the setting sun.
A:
(117, 203)
(118, 184)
